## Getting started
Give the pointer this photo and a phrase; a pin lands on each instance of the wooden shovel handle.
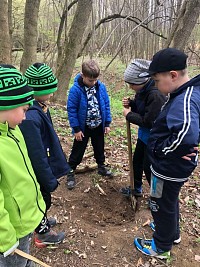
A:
(130, 154)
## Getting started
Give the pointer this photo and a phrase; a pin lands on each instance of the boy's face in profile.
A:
(15, 116)
(43, 98)
(164, 82)
(89, 82)
(135, 87)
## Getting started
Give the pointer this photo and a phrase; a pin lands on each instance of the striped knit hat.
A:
(41, 78)
(14, 91)
(137, 66)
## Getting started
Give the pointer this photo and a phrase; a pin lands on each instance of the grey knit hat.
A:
(136, 67)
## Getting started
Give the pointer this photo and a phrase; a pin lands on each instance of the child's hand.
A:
(125, 102)
(79, 136)
(107, 130)
(126, 111)
(188, 156)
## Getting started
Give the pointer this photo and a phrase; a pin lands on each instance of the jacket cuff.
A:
(107, 124)
(11, 250)
(76, 129)
(128, 116)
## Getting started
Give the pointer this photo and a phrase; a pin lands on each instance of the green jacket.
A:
(21, 203)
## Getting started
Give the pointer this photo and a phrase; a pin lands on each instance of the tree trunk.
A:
(30, 34)
(72, 47)
(184, 24)
(5, 46)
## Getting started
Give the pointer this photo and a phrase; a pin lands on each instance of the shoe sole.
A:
(45, 244)
(156, 256)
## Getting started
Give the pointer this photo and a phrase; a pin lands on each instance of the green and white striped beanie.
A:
(41, 78)
(14, 91)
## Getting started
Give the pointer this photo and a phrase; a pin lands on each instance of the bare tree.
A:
(5, 47)
(72, 47)
(184, 24)
(30, 33)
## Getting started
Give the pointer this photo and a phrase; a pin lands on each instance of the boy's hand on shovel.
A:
(126, 111)
(126, 102)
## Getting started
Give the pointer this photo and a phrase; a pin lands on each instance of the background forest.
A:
(100, 227)
(59, 32)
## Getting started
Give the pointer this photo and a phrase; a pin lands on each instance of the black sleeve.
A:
(38, 156)
(154, 102)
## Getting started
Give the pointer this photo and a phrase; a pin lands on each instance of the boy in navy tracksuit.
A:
(89, 116)
(44, 149)
(142, 111)
(172, 147)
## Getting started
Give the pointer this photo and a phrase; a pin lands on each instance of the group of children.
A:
(32, 159)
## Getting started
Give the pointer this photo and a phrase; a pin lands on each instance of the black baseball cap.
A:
(166, 60)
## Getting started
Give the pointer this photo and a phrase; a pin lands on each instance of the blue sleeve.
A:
(38, 156)
(108, 117)
(72, 107)
(183, 124)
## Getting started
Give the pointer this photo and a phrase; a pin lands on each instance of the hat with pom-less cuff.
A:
(14, 91)
(137, 66)
(41, 78)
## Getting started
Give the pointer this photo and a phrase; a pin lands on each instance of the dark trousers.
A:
(44, 225)
(141, 163)
(78, 149)
(164, 205)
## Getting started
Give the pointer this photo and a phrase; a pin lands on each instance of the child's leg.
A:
(146, 166)
(16, 260)
(78, 150)
(97, 140)
(163, 205)
(138, 158)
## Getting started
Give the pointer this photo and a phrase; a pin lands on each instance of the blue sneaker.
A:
(148, 247)
(176, 241)
(126, 191)
(152, 226)
(137, 191)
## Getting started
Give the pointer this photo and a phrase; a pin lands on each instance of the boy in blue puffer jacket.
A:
(142, 111)
(44, 149)
(89, 116)
(172, 147)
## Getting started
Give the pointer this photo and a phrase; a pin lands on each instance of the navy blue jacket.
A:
(44, 149)
(145, 107)
(175, 133)
(77, 105)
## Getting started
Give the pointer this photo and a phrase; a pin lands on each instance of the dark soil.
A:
(100, 228)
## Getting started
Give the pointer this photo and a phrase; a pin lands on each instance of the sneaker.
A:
(102, 170)
(137, 191)
(49, 238)
(71, 180)
(148, 247)
(52, 221)
(126, 191)
(152, 226)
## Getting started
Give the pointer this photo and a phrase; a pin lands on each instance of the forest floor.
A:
(100, 228)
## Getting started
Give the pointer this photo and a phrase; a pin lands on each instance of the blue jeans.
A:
(16, 260)
(164, 205)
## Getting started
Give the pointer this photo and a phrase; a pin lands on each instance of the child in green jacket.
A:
(21, 204)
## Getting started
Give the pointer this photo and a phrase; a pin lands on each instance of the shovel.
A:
(130, 157)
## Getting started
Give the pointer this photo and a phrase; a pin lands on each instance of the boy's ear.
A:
(174, 74)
